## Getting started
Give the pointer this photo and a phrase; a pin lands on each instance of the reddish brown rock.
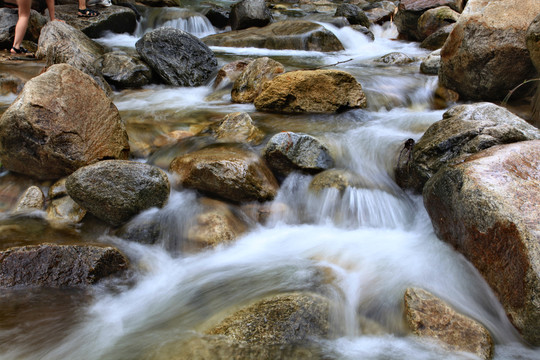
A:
(486, 206)
(430, 317)
(229, 172)
(60, 122)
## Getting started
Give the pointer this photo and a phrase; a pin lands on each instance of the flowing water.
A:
(372, 241)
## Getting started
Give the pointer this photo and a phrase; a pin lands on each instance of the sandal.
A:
(21, 51)
(87, 13)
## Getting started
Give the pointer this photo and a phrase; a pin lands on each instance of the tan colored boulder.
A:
(434, 19)
(31, 199)
(486, 206)
(228, 73)
(253, 79)
(485, 55)
(312, 91)
(429, 317)
(334, 179)
(50, 265)
(238, 127)
(229, 172)
(60, 122)
(294, 35)
(279, 320)
(216, 224)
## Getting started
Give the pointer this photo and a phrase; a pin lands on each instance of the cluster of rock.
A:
(478, 170)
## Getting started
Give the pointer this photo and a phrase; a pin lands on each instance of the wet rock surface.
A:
(486, 206)
(229, 172)
(253, 79)
(238, 127)
(115, 190)
(52, 129)
(124, 71)
(311, 91)
(49, 265)
(430, 317)
(31, 199)
(177, 57)
(464, 130)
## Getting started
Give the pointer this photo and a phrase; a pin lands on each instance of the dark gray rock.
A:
(286, 152)
(116, 190)
(179, 58)
(249, 13)
(218, 16)
(50, 265)
(438, 38)
(353, 13)
(124, 71)
(464, 130)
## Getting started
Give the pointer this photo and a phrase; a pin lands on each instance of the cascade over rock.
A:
(60, 122)
(486, 206)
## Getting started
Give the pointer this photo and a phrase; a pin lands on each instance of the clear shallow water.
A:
(362, 247)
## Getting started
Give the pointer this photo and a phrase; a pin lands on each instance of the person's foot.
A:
(20, 51)
(87, 13)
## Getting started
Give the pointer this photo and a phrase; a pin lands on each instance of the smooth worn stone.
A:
(249, 13)
(31, 199)
(279, 320)
(286, 152)
(486, 206)
(311, 91)
(254, 78)
(8, 20)
(229, 172)
(50, 265)
(218, 223)
(380, 12)
(177, 57)
(463, 130)
(485, 55)
(334, 179)
(116, 19)
(228, 74)
(435, 19)
(116, 190)
(10, 84)
(60, 122)
(61, 43)
(395, 58)
(353, 13)
(410, 11)
(238, 127)
(124, 71)
(65, 209)
(438, 38)
(430, 317)
(431, 64)
(282, 35)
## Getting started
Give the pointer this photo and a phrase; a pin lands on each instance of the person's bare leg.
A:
(50, 7)
(82, 4)
(22, 23)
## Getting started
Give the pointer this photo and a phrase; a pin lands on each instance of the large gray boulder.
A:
(463, 130)
(116, 19)
(353, 13)
(124, 71)
(311, 91)
(60, 122)
(229, 172)
(427, 316)
(486, 55)
(58, 266)
(286, 152)
(249, 13)
(294, 35)
(177, 57)
(116, 190)
(486, 206)
(61, 43)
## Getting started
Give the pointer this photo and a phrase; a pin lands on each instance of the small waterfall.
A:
(181, 19)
